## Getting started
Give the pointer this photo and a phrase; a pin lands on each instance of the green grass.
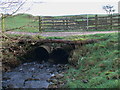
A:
(95, 36)
(17, 36)
(97, 66)
(22, 20)
(78, 37)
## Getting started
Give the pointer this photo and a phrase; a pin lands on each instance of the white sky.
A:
(67, 7)
(77, 0)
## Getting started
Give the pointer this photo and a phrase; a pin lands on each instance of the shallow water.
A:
(31, 75)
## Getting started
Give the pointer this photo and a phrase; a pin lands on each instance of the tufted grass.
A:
(97, 64)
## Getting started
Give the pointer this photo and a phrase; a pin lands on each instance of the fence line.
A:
(30, 23)
(80, 23)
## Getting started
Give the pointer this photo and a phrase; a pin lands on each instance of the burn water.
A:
(31, 75)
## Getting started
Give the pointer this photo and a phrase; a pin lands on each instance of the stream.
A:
(35, 75)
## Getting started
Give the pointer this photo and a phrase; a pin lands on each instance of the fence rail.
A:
(80, 23)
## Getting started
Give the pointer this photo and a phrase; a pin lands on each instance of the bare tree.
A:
(109, 9)
(9, 7)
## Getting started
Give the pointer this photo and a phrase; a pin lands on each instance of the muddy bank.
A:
(35, 75)
(34, 71)
(15, 52)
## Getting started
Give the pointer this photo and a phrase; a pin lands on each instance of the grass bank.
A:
(97, 66)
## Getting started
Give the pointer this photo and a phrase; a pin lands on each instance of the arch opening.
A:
(41, 54)
(59, 56)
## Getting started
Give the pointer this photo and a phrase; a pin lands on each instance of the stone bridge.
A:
(55, 50)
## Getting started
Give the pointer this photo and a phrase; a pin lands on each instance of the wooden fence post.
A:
(53, 24)
(111, 21)
(67, 24)
(96, 22)
(87, 22)
(119, 22)
(106, 19)
(64, 24)
(40, 22)
(3, 23)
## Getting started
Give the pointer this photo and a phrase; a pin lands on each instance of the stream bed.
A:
(35, 75)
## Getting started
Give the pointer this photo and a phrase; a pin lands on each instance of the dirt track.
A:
(60, 34)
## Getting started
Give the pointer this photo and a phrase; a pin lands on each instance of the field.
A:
(29, 23)
(21, 23)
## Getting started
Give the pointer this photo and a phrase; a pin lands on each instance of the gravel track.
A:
(60, 34)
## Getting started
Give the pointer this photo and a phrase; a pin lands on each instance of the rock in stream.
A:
(33, 75)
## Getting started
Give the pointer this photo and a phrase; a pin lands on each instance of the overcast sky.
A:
(76, 0)
(66, 7)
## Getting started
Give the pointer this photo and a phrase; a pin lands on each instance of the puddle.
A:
(31, 75)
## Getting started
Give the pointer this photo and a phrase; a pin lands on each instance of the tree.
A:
(109, 9)
(9, 7)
